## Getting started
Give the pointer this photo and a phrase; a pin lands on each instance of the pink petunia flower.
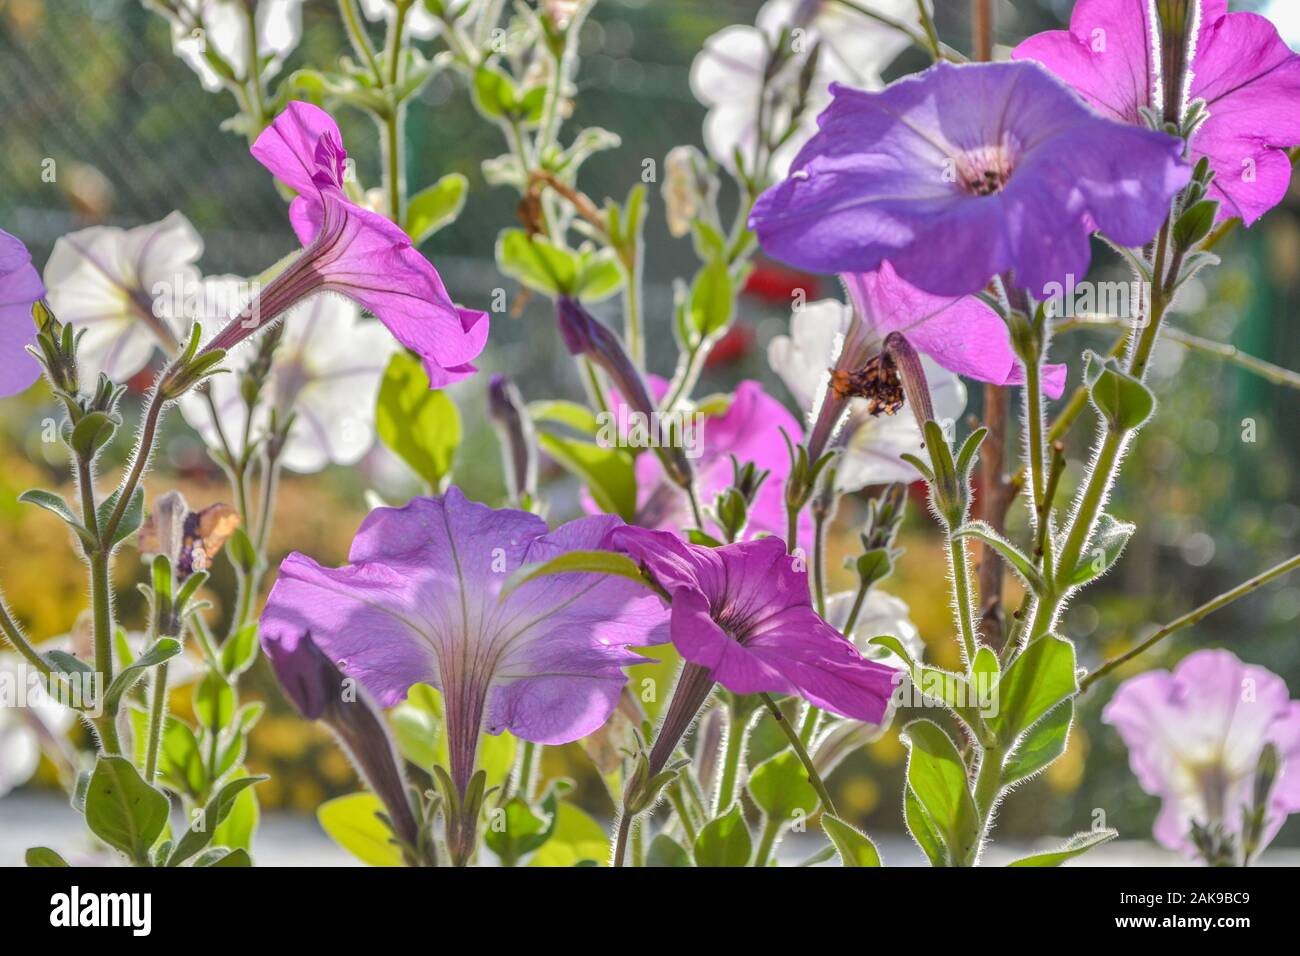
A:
(356, 253)
(1195, 737)
(1248, 77)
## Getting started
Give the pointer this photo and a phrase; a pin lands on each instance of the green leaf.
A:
(236, 857)
(131, 517)
(162, 651)
(1108, 541)
(609, 473)
(922, 829)
(421, 426)
(353, 823)
(240, 549)
(1038, 679)
(537, 262)
(204, 826)
(712, 299)
(1195, 223)
(599, 276)
(214, 702)
(240, 650)
(724, 841)
(435, 206)
(1045, 741)
(937, 776)
(55, 505)
(665, 851)
(517, 829)
(1077, 845)
(92, 433)
(1122, 399)
(44, 856)
(182, 760)
(494, 92)
(237, 830)
(575, 562)
(780, 788)
(575, 838)
(123, 810)
(854, 847)
(1019, 562)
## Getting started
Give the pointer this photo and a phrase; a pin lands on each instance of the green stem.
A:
(962, 595)
(139, 461)
(157, 710)
(819, 559)
(731, 756)
(678, 800)
(797, 746)
(102, 609)
(23, 646)
(808, 729)
(771, 830)
(1192, 617)
(988, 785)
(357, 34)
(394, 177)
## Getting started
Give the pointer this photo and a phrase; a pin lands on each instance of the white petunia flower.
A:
(221, 26)
(326, 370)
(420, 23)
(881, 614)
(127, 288)
(27, 714)
(728, 73)
(872, 445)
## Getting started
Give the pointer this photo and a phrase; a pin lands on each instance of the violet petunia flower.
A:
(354, 252)
(962, 173)
(1245, 73)
(419, 603)
(743, 613)
(20, 288)
(1195, 737)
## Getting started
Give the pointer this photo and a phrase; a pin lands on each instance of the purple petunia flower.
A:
(355, 252)
(20, 287)
(1248, 77)
(419, 604)
(743, 613)
(962, 173)
(1195, 738)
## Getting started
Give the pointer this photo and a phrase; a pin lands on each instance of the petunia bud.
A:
(584, 335)
(911, 376)
(320, 692)
(518, 439)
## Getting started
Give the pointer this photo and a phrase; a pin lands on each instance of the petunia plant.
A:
(653, 585)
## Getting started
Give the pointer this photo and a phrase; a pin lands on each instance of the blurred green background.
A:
(93, 85)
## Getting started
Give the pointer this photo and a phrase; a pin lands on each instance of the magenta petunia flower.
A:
(1195, 738)
(962, 173)
(419, 603)
(20, 287)
(743, 613)
(1248, 77)
(355, 252)
(750, 429)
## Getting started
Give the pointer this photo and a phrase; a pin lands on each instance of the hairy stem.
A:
(1192, 617)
